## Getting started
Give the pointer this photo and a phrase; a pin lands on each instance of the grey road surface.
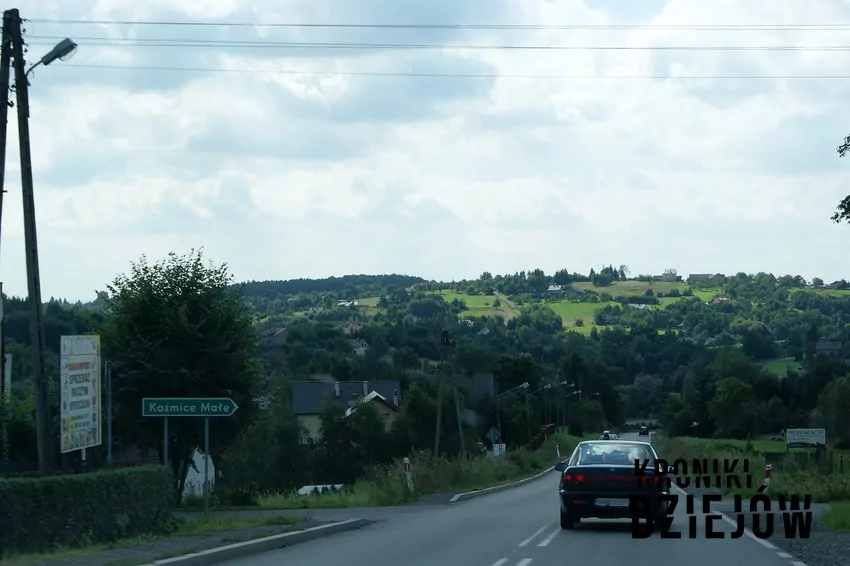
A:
(519, 527)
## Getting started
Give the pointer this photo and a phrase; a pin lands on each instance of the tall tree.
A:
(842, 213)
(178, 330)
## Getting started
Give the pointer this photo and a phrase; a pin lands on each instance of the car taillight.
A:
(572, 479)
(657, 481)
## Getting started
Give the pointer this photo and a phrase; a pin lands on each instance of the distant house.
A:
(669, 276)
(309, 397)
(348, 303)
(315, 310)
(720, 300)
(358, 347)
(828, 348)
(639, 306)
(555, 290)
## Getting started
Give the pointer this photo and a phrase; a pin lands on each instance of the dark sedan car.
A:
(599, 478)
(644, 431)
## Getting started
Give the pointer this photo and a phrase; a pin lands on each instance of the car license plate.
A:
(612, 502)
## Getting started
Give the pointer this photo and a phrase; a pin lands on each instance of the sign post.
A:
(80, 392)
(408, 474)
(203, 407)
(107, 374)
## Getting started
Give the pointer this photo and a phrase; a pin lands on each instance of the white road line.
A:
(548, 539)
(795, 563)
(747, 532)
(500, 562)
(532, 537)
(524, 562)
(734, 523)
(784, 555)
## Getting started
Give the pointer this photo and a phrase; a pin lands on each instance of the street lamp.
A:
(63, 51)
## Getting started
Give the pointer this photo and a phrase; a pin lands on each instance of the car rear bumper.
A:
(581, 504)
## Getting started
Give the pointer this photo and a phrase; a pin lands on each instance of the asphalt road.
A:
(519, 527)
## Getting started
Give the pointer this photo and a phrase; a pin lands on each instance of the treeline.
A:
(346, 287)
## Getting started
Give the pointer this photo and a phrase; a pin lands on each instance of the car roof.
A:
(628, 442)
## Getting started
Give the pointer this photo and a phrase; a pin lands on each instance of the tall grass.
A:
(824, 480)
(387, 485)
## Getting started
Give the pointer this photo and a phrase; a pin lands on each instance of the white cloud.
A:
(302, 170)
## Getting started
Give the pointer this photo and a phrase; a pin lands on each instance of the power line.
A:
(594, 27)
(165, 42)
(453, 75)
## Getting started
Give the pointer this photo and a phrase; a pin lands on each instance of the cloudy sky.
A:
(287, 161)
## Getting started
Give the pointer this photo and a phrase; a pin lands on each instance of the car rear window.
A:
(615, 453)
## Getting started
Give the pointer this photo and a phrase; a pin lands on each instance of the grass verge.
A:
(387, 486)
(838, 516)
(824, 481)
(178, 529)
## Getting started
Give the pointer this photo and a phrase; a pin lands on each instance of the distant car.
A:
(643, 431)
(599, 477)
(606, 435)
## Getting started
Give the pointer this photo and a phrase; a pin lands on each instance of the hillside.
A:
(584, 304)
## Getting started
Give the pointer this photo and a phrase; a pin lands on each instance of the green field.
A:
(638, 288)
(479, 305)
(780, 367)
(571, 311)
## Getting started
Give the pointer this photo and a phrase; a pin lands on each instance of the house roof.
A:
(373, 396)
(554, 288)
(308, 397)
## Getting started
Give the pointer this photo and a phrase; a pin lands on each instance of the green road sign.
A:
(188, 407)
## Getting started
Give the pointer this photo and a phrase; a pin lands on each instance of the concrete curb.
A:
(498, 488)
(241, 550)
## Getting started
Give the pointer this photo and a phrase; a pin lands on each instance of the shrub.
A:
(41, 514)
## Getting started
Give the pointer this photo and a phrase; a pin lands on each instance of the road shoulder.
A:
(198, 550)
(824, 546)
(497, 488)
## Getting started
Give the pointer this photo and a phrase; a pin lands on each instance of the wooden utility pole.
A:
(457, 411)
(5, 68)
(12, 37)
(439, 405)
